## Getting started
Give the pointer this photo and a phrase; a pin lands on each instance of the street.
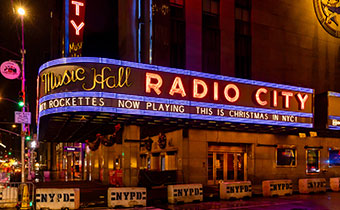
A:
(323, 201)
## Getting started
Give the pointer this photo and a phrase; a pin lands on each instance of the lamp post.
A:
(21, 12)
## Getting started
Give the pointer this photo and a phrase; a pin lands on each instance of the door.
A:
(226, 166)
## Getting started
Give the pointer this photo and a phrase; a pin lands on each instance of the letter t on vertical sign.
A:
(74, 27)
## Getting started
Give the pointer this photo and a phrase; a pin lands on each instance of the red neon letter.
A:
(257, 96)
(215, 91)
(77, 4)
(274, 98)
(177, 87)
(302, 100)
(202, 84)
(286, 95)
(77, 27)
(226, 93)
(154, 86)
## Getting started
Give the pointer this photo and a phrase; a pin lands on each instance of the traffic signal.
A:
(21, 104)
(21, 100)
(28, 138)
(9, 153)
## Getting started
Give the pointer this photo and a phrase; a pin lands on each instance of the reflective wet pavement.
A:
(324, 201)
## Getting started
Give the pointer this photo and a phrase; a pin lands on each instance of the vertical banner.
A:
(74, 27)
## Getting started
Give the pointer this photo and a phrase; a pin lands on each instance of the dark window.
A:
(334, 157)
(313, 157)
(177, 2)
(211, 37)
(177, 38)
(286, 157)
(243, 38)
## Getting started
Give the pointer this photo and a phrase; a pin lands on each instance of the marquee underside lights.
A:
(107, 85)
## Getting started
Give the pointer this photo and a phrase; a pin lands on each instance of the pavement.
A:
(322, 201)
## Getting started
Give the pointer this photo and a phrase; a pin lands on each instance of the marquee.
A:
(86, 84)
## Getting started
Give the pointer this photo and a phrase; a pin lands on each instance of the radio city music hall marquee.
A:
(106, 85)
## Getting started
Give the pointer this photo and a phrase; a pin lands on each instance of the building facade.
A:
(218, 51)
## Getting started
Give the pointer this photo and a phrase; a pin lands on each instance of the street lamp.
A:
(21, 12)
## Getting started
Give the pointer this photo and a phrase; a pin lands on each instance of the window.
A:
(177, 38)
(243, 38)
(163, 163)
(313, 161)
(286, 157)
(334, 157)
(211, 37)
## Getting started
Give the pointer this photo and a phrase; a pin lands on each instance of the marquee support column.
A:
(130, 155)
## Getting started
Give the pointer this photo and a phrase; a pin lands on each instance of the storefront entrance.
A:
(226, 163)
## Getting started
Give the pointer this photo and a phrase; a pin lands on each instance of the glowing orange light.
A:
(257, 96)
(302, 100)
(154, 86)
(198, 82)
(287, 96)
(226, 93)
(77, 28)
(21, 11)
(77, 4)
(274, 98)
(177, 87)
(215, 91)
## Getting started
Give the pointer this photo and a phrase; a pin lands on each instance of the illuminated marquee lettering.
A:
(215, 91)
(165, 107)
(177, 87)
(77, 4)
(53, 81)
(77, 28)
(236, 90)
(286, 96)
(74, 101)
(196, 94)
(257, 96)
(154, 86)
(302, 100)
(274, 98)
(113, 81)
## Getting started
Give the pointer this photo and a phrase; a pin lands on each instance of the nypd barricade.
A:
(185, 193)
(235, 190)
(57, 198)
(277, 187)
(126, 196)
(8, 197)
(312, 185)
(335, 183)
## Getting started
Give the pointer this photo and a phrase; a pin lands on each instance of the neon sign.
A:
(107, 85)
(74, 27)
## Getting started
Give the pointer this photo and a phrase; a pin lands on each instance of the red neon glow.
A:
(215, 91)
(226, 93)
(154, 86)
(274, 98)
(286, 96)
(77, 28)
(302, 100)
(177, 87)
(257, 96)
(196, 94)
(77, 4)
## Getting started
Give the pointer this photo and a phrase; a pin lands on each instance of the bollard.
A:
(25, 198)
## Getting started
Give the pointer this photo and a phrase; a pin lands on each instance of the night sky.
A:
(37, 44)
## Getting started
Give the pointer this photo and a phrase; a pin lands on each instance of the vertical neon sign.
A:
(74, 27)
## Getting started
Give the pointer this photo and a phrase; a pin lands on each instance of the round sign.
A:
(10, 70)
(328, 14)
